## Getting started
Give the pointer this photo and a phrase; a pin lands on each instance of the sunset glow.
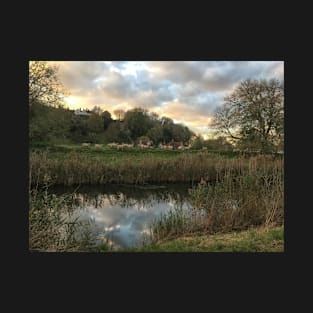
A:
(188, 92)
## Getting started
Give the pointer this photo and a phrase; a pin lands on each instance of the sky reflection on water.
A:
(123, 214)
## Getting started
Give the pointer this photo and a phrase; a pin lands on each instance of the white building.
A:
(81, 113)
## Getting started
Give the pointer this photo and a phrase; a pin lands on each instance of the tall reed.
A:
(81, 169)
(254, 196)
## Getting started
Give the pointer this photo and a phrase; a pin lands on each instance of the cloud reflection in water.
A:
(123, 215)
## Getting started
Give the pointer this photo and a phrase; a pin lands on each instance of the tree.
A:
(253, 115)
(138, 122)
(97, 110)
(219, 143)
(154, 117)
(48, 123)
(197, 142)
(79, 129)
(38, 122)
(120, 114)
(155, 134)
(94, 123)
(44, 84)
(167, 127)
(107, 119)
(181, 133)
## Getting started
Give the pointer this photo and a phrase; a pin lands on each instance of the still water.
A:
(122, 214)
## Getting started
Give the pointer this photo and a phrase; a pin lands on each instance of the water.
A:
(122, 214)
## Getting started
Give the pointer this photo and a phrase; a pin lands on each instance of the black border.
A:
(169, 267)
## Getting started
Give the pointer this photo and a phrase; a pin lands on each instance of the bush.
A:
(53, 228)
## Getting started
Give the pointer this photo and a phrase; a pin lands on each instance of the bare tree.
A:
(253, 115)
(44, 84)
(120, 114)
(97, 110)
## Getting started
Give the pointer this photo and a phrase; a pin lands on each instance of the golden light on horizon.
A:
(72, 102)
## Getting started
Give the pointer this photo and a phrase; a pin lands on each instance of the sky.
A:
(186, 91)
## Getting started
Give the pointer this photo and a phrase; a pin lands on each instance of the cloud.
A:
(214, 76)
(187, 91)
(192, 116)
(82, 76)
(275, 70)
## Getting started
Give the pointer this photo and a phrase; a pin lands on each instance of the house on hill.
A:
(81, 113)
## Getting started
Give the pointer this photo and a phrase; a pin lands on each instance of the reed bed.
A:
(189, 168)
(253, 197)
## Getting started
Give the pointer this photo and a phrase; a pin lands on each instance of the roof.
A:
(78, 112)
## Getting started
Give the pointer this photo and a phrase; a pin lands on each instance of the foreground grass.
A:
(255, 240)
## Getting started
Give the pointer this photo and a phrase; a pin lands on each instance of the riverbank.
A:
(236, 202)
(254, 240)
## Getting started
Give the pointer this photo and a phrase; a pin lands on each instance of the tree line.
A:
(59, 124)
(50, 121)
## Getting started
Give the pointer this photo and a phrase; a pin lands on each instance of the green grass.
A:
(255, 240)
(107, 155)
(113, 155)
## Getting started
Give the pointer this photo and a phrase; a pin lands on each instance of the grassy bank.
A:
(131, 167)
(256, 240)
